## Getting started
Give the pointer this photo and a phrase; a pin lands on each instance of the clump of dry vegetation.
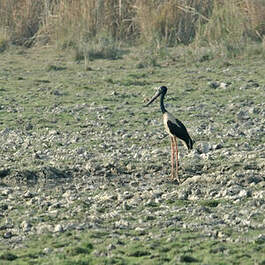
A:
(21, 19)
(226, 23)
(4, 39)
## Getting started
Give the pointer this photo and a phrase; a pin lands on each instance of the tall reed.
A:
(160, 22)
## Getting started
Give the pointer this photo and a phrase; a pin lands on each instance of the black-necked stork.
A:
(174, 127)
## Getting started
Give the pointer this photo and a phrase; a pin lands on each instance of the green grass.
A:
(210, 203)
(189, 247)
(35, 82)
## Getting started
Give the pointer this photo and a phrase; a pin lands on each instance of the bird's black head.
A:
(160, 91)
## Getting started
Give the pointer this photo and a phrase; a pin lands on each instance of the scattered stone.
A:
(217, 146)
(183, 195)
(25, 226)
(205, 147)
(260, 239)
(44, 228)
(140, 231)
(7, 235)
(58, 228)
(111, 247)
(28, 195)
(47, 251)
(224, 85)
(242, 115)
(243, 193)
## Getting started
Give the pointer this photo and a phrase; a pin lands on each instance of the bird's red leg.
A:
(177, 164)
(172, 158)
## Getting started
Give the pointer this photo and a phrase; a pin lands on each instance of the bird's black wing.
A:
(179, 130)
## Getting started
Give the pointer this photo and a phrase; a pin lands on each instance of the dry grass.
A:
(22, 19)
(81, 20)
(168, 22)
(4, 40)
(233, 20)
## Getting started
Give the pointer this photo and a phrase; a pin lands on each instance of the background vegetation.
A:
(90, 26)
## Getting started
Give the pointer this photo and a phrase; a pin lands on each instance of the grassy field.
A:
(85, 167)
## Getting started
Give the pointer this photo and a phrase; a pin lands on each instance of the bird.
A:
(175, 128)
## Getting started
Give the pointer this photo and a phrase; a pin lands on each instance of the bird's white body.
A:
(175, 128)
(167, 116)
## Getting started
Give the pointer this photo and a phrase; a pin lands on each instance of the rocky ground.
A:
(84, 167)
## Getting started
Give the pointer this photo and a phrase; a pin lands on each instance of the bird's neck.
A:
(162, 107)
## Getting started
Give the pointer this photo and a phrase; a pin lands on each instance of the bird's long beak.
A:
(157, 94)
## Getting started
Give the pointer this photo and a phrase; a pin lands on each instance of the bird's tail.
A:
(189, 143)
